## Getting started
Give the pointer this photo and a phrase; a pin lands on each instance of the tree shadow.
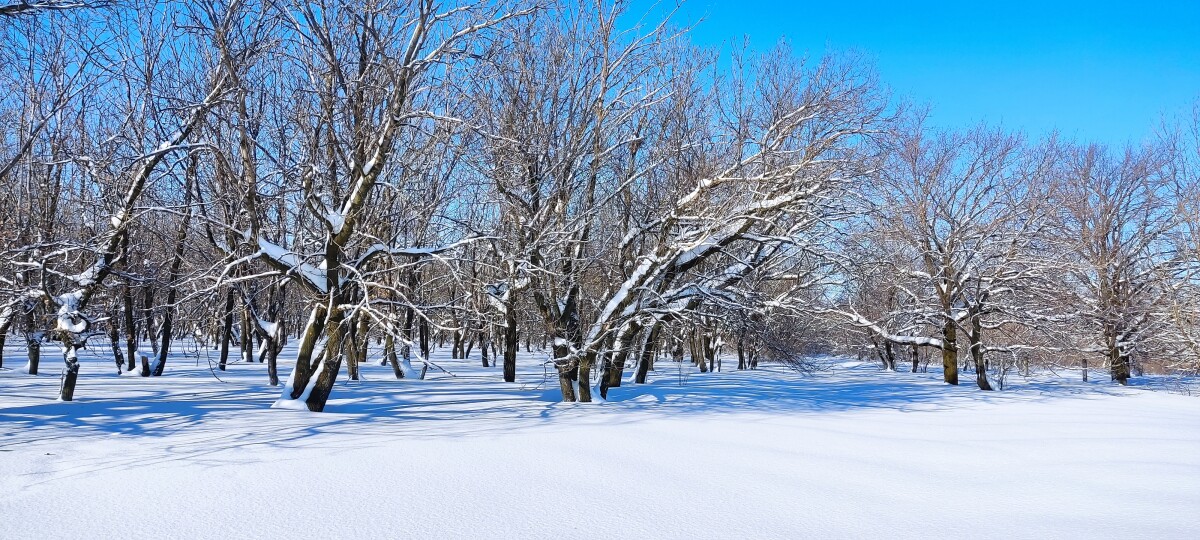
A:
(201, 415)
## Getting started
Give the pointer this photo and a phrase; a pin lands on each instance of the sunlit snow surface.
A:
(851, 452)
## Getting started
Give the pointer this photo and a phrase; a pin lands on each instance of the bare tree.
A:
(1114, 219)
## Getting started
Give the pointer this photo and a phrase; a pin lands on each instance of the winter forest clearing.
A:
(848, 451)
(516, 268)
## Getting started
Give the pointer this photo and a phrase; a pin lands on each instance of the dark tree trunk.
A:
(114, 337)
(1120, 365)
(5, 326)
(173, 274)
(511, 342)
(409, 333)
(332, 363)
(389, 355)
(614, 361)
(71, 373)
(165, 333)
(148, 317)
(245, 343)
(646, 356)
(916, 358)
(273, 347)
(456, 345)
(423, 330)
(697, 350)
(975, 338)
(567, 373)
(583, 376)
(483, 347)
(33, 342)
(469, 339)
(131, 333)
(324, 367)
(741, 350)
(226, 332)
(889, 356)
(949, 352)
(351, 347)
(34, 352)
(306, 363)
(708, 347)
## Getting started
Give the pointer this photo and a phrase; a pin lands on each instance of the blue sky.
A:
(1104, 71)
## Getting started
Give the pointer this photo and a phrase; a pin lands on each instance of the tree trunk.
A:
(34, 352)
(949, 352)
(916, 358)
(469, 340)
(173, 274)
(606, 369)
(5, 323)
(615, 362)
(456, 346)
(363, 342)
(975, 337)
(273, 347)
(245, 344)
(148, 317)
(1119, 365)
(71, 373)
(389, 355)
(164, 346)
(114, 337)
(646, 357)
(708, 347)
(305, 362)
(483, 347)
(511, 343)
(272, 344)
(226, 331)
(583, 377)
(131, 339)
(567, 374)
(697, 351)
(351, 347)
(335, 333)
(423, 330)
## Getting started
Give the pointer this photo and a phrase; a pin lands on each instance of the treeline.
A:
(564, 174)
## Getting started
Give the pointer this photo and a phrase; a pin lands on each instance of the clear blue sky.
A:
(1106, 71)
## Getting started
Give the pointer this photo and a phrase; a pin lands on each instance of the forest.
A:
(370, 181)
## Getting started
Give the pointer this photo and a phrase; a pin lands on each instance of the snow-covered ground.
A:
(849, 453)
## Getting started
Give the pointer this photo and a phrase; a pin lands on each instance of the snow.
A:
(286, 401)
(851, 452)
(283, 256)
(88, 277)
(69, 318)
(336, 221)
